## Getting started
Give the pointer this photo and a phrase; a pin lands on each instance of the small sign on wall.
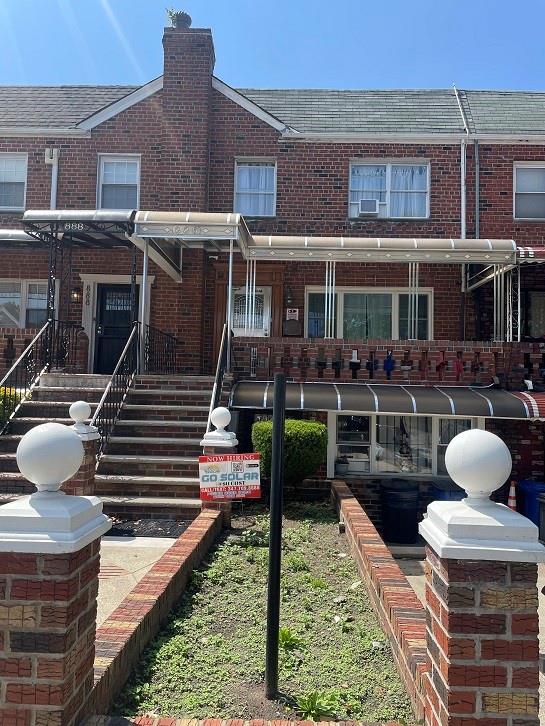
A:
(224, 477)
(292, 314)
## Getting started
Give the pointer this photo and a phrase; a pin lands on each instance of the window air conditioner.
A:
(369, 207)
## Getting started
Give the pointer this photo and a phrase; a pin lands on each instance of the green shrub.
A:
(317, 705)
(305, 447)
(9, 398)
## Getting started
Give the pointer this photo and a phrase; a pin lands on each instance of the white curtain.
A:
(408, 195)
(255, 190)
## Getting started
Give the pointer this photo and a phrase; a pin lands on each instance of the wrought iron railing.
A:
(222, 366)
(107, 411)
(159, 352)
(54, 346)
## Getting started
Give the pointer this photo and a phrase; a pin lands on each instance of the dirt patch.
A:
(335, 661)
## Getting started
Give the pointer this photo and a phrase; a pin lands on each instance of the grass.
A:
(335, 660)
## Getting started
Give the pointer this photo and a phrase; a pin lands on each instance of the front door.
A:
(113, 325)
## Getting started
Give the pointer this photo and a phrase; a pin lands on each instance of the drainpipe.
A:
(52, 159)
(478, 291)
(463, 208)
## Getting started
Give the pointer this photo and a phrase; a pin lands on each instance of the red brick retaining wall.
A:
(124, 635)
(400, 612)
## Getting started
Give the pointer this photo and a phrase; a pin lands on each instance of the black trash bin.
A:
(541, 525)
(400, 506)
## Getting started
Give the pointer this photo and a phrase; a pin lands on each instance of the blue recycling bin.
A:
(531, 491)
(447, 491)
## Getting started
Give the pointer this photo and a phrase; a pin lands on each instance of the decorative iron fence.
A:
(55, 345)
(107, 411)
(160, 351)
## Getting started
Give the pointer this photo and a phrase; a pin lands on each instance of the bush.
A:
(8, 401)
(305, 447)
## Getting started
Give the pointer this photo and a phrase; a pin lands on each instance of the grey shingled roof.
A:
(431, 111)
(59, 107)
(408, 111)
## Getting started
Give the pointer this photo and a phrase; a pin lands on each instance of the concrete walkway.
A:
(123, 563)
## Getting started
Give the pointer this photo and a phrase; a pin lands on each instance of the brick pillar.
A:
(82, 484)
(482, 639)
(49, 563)
(481, 596)
(48, 621)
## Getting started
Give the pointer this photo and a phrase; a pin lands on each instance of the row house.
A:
(382, 248)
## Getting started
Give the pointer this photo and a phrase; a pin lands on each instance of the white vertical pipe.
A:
(416, 284)
(326, 301)
(143, 305)
(333, 275)
(229, 306)
(246, 301)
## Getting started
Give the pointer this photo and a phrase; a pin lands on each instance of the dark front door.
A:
(113, 325)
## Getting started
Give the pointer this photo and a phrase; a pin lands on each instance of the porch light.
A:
(75, 294)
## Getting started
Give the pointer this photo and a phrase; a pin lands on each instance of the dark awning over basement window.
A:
(393, 398)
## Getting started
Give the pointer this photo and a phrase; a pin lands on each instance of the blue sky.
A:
(283, 43)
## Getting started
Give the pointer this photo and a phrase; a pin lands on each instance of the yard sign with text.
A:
(229, 476)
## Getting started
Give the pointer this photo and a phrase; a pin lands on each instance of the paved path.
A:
(123, 563)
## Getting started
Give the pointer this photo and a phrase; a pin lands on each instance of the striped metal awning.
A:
(464, 401)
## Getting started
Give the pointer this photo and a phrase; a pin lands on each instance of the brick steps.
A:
(60, 393)
(169, 486)
(164, 412)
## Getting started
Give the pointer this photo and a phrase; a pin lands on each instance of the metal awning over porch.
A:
(462, 401)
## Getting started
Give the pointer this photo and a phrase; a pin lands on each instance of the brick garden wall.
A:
(400, 612)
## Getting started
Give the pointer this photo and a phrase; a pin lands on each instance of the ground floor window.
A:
(386, 444)
(364, 314)
(23, 303)
(534, 323)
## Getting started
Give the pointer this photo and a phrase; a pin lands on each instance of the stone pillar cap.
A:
(79, 412)
(477, 528)
(220, 418)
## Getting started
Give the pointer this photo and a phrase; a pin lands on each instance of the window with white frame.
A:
(388, 444)
(118, 182)
(401, 189)
(13, 175)
(255, 188)
(529, 191)
(23, 303)
(360, 314)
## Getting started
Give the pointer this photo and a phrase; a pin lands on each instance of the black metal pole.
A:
(275, 537)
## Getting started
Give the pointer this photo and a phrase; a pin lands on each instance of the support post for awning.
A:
(143, 305)
(229, 306)
(246, 298)
(414, 271)
(329, 302)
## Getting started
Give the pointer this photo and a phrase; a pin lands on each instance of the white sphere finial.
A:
(479, 462)
(220, 417)
(49, 455)
(80, 411)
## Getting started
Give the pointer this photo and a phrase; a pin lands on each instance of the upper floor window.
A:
(255, 188)
(402, 190)
(23, 303)
(118, 182)
(529, 191)
(13, 172)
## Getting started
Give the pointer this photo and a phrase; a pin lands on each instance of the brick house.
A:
(389, 239)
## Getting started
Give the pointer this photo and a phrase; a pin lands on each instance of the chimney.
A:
(187, 97)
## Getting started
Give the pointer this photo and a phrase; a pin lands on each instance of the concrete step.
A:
(126, 484)
(59, 393)
(13, 482)
(143, 465)
(49, 409)
(22, 425)
(8, 462)
(161, 429)
(201, 383)
(75, 380)
(164, 412)
(9, 443)
(151, 507)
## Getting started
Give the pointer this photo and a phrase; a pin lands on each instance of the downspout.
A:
(52, 159)
(478, 291)
(463, 208)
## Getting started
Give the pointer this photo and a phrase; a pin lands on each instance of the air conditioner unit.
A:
(369, 207)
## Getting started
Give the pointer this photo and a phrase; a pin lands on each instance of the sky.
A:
(282, 43)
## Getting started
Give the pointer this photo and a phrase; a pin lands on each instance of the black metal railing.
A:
(107, 411)
(159, 351)
(223, 364)
(54, 346)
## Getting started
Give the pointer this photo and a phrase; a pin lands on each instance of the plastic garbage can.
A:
(400, 507)
(531, 490)
(447, 491)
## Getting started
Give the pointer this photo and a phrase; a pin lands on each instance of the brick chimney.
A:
(187, 96)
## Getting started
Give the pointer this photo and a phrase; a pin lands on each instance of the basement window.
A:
(13, 176)
(529, 191)
(118, 182)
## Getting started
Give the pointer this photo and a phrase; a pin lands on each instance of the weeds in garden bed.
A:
(335, 661)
